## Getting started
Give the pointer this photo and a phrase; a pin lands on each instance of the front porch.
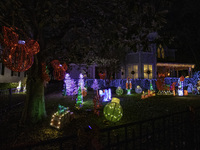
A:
(175, 69)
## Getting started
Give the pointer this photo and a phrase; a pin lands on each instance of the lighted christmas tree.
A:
(95, 85)
(74, 88)
(81, 81)
(67, 85)
(151, 86)
(79, 99)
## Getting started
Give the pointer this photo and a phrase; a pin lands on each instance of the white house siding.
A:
(87, 71)
(6, 77)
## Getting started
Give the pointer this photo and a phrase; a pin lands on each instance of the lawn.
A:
(134, 109)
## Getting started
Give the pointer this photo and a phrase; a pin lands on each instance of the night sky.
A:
(184, 24)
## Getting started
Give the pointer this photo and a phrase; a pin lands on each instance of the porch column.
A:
(189, 71)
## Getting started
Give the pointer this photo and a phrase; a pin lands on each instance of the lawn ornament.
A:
(61, 117)
(119, 90)
(180, 86)
(18, 54)
(128, 86)
(113, 110)
(59, 69)
(105, 94)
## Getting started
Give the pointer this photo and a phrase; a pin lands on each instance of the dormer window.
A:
(160, 52)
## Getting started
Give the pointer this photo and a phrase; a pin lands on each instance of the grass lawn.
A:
(134, 109)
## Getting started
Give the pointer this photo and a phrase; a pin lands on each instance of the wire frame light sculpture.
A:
(18, 54)
(59, 69)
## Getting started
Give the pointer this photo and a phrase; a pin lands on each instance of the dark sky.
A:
(184, 24)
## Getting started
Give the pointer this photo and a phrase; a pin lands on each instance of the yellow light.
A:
(175, 65)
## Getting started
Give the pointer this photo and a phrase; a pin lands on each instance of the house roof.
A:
(175, 65)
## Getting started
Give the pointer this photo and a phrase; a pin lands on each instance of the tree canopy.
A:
(74, 31)
(80, 32)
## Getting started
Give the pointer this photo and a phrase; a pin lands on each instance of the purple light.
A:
(90, 127)
(21, 42)
(106, 94)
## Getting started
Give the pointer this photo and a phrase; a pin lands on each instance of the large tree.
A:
(78, 31)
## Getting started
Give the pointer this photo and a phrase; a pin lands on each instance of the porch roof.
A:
(175, 65)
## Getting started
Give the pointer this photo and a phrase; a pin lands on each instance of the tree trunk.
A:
(34, 109)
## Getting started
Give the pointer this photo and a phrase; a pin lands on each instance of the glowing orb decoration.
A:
(113, 111)
(106, 94)
(138, 89)
(119, 90)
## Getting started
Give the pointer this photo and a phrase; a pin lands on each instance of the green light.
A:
(113, 111)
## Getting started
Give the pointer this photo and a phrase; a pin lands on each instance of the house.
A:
(156, 61)
(8, 76)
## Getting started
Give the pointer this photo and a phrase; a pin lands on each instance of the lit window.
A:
(148, 72)
(133, 71)
(160, 52)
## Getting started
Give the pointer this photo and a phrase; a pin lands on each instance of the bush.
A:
(8, 85)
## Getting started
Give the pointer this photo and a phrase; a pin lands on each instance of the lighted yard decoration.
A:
(24, 89)
(128, 86)
(59, 69)
(18, 54)
(45, 73)
(79, 99)
(172, 88)
(61, 117)
(144, 95)
(97, 104)
(74, 87)
(105, 94)
(102, 75)
(185, 92)
(82, 85)
(119, 90)
(95, 85)
(190, 87)
(19, 87)
(113, 110)
(180, 86)
(138, 89)
(151, 86)
(67, 85)
(198, 87)
(163, 89)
